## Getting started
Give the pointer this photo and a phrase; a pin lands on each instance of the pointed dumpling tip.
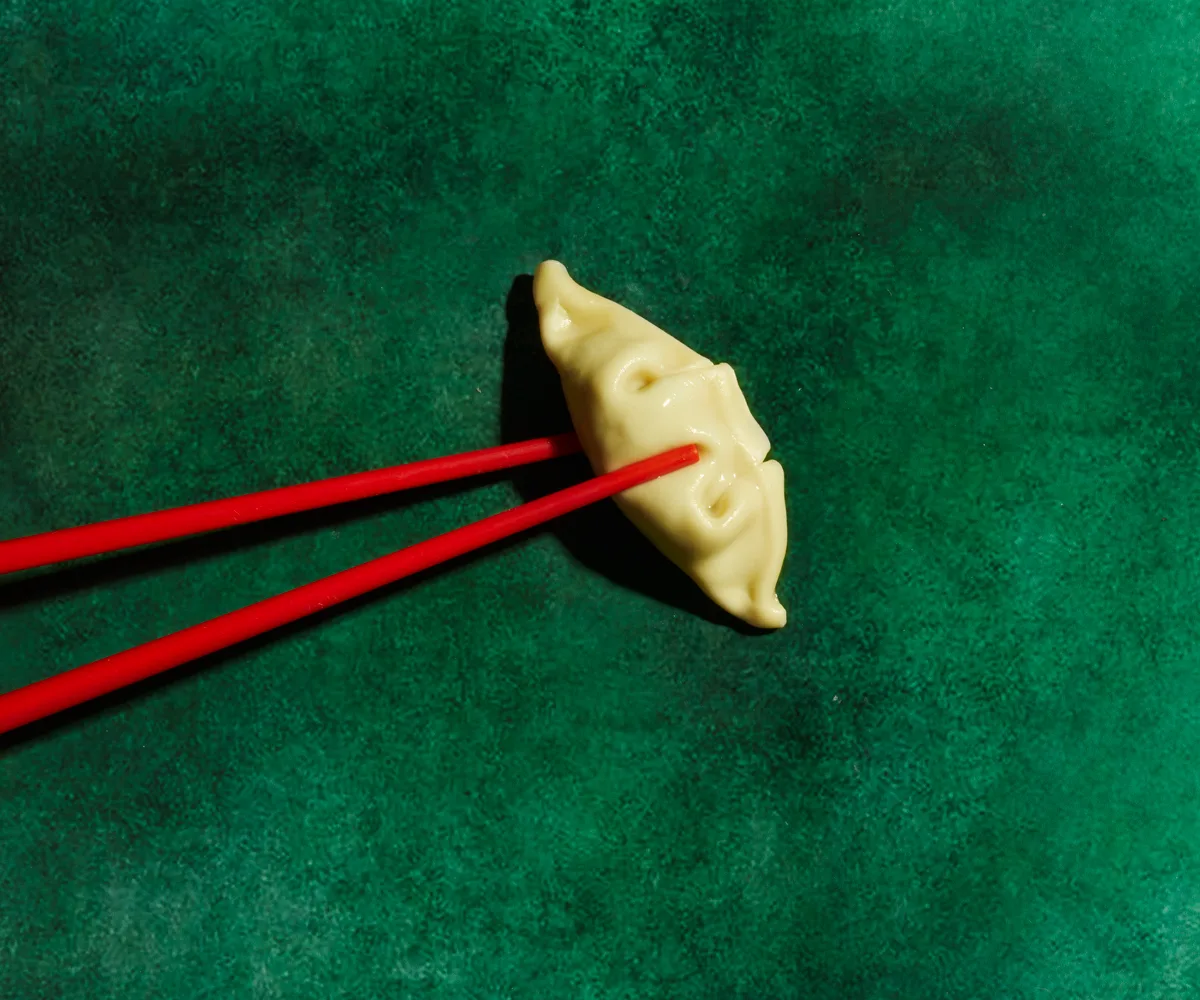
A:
(550, 282)
(566, 309)
(771, 614)
(765, 611)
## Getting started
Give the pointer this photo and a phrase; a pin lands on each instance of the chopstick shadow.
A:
(600, 536)
(103, 571)
(44, 727)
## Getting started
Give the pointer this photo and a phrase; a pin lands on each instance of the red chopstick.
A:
(65, 690)
(193, 519)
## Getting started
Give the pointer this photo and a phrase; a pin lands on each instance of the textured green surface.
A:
(952, 253)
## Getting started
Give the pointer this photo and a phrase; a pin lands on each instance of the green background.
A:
(951, 250)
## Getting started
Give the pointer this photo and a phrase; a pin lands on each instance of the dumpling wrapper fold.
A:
(633, 391)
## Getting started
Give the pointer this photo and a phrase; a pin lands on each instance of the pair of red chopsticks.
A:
(73, 687)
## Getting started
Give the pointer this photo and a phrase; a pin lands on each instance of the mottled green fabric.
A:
(951, 250)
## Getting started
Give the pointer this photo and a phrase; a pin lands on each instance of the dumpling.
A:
(633, 391)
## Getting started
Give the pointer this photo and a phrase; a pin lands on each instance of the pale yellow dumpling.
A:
(634, 391)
